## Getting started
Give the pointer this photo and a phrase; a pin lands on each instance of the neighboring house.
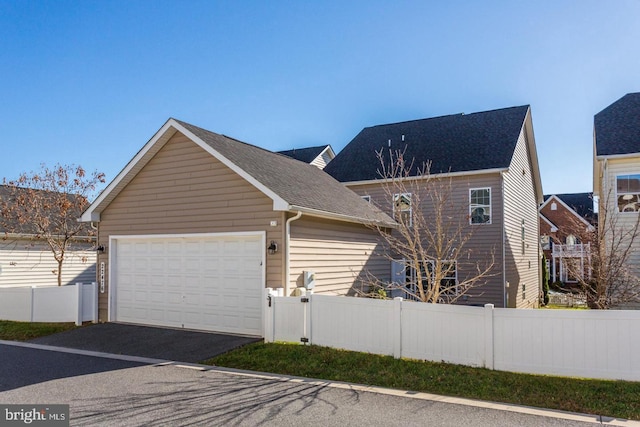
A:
(318, 156)
(198, 224)
(616, 167)
(566, 232)
(26, 260)
(491, 160)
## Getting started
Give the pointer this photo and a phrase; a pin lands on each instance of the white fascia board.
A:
(279, 203)
(339, 217)
(328, 148)
(618, 156)
(434, 175)
(90, 216)
(546, 202)
(533, 155)
(92, 213)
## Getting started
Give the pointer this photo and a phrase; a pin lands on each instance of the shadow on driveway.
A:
(23, 366)
(146, 341)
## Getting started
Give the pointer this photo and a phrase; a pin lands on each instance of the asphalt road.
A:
(107, 392)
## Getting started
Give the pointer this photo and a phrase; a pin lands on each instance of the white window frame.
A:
(409, 276)
(633, 203)
(545, 242)
(473, 206)
(397, 197)
(366, 198)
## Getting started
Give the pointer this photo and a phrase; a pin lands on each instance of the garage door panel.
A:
(210, 282)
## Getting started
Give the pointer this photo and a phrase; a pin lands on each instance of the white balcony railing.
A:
(578, 250)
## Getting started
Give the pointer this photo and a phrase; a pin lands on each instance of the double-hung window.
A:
(402, 210)
(480, 206)
(628, 193)
(409, 275)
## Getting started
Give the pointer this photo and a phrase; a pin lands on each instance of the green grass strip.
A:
(620, 399)
(23, 331)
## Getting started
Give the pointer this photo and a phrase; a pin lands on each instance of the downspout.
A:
(287, 252)
(505, 290)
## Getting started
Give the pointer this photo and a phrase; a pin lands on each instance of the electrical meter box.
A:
(309, 278)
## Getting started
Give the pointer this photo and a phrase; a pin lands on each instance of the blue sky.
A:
(89, 82)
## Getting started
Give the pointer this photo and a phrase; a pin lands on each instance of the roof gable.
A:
(617, 127)
(578, 204)
(307, 154)
(455, 143)
(292, 185)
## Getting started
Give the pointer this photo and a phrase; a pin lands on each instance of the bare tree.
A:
(46, 205)
(609, 278)
(431, 240)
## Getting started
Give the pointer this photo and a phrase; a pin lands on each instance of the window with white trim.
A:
(402, 208)
(480, 206)
(409, 275)
(545, 242)
(366, 198)
(628, 193)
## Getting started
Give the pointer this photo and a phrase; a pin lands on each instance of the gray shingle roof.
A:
(11, 224)
(306, 155)
(617, 127)
(300, 184)
(454, 143)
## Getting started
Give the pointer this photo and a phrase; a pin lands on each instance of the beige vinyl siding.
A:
(485, 245)
(184, 189)
(31, 263)
(322, 160)
(319, 162)
(341, 254)
(522, 271)
(625, 220)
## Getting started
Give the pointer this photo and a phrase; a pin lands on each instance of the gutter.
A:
(340, 217)
(431, 175)
(616, 156)
(287, 251)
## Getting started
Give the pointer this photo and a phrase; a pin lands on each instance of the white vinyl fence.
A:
(584, 343)
(72, 303)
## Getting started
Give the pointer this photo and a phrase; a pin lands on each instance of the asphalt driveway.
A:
(146, 341)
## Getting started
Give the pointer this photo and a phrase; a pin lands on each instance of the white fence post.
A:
(94, 293)
(397, 318)
(488, 336)
(32, 299)
(78, 304)
(268, 301)
(307, 318)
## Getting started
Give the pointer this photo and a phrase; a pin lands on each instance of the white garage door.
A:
(208, 282)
